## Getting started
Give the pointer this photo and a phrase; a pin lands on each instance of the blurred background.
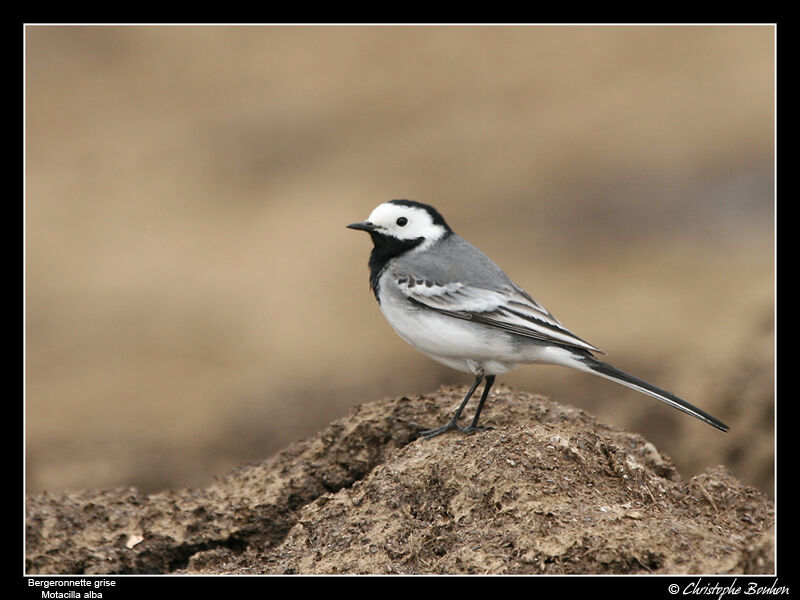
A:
(193, 300)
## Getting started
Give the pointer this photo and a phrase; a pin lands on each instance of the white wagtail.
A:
(454, 304)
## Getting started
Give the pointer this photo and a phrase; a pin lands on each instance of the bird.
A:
(453, 303)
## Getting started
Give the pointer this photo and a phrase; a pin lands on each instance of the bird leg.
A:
(486, 388)
(453, 423)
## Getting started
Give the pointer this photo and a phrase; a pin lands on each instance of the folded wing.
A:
(509, 308)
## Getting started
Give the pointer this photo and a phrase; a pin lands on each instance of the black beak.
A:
(363, 226)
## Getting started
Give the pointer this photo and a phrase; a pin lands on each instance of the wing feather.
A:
(510, 308)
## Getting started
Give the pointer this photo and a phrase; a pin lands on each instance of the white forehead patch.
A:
(405, 222)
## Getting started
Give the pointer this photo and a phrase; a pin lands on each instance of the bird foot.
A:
(451, 426)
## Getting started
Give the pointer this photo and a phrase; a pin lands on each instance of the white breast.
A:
(456, 343)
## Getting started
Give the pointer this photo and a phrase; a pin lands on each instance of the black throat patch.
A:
(386, 248)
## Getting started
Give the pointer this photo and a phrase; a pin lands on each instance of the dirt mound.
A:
(549, 490)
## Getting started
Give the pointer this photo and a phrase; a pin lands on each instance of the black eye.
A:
(401, 221)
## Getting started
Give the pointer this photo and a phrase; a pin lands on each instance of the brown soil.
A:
(549, 490)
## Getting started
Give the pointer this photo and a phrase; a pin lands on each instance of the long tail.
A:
(592, 365)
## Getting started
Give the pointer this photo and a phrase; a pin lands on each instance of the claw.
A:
(451, 426)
